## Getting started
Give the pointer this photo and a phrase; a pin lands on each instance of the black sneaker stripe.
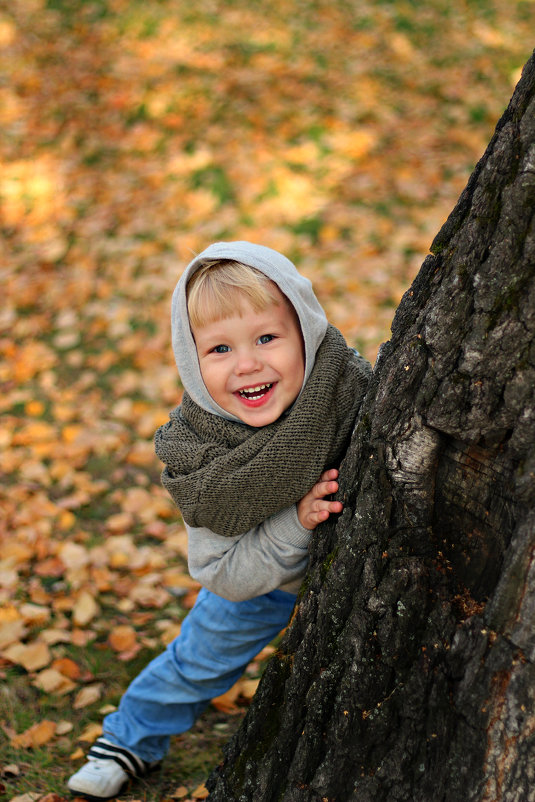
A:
(117, 759)
(128, 761)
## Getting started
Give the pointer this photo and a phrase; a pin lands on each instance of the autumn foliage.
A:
(133, 135)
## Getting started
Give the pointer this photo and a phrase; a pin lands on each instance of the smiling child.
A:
(271, 392)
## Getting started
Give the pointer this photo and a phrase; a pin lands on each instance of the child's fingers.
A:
(330, 473)
(322, 507)
(324, 488)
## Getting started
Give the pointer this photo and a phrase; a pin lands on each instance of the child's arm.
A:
(313, 508)
(272, 555)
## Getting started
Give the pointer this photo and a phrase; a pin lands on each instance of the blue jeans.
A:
(217, 640)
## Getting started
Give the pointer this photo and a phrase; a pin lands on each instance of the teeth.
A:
(255, 389)
(259, 388)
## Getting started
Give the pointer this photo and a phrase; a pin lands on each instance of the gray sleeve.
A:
(272, 555)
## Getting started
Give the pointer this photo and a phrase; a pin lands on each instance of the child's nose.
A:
(247, 362)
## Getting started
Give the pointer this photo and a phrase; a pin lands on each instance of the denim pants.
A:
(217, 640)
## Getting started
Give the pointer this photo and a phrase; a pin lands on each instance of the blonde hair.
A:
(218, 288)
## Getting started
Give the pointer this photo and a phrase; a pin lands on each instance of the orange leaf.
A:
(36, 735)
(122, 638)
(67, 667)
(248, 688)
(226, 703)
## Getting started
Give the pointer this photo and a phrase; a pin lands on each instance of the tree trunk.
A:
(408, 670)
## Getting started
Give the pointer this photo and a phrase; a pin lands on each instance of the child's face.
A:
(253, 364)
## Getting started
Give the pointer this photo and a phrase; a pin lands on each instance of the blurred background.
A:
(135, 133)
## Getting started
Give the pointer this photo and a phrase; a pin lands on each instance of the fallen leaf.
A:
(129, 654)
(226, 703)
(52, 636)
(91, 733)
(11, 632)
(31, 657)
(52, 681)
(105, 709)
(201, 792)
(36, 735)
(170, 633)
(31, 796)
(121, 522)
(248, 688)
(122, 638)
(179, 793)
(63, 727)
(148, 596)
(84, 610)
(67, 667)
(87, 696)
(12, 770)
(34, 614)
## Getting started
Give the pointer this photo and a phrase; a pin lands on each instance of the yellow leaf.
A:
(91, 733)
(174, 578)
(120, 522)
(84, 610)
(16, 552)
(34, 408)
(148, 596)
(71, 432)
(87, 696)
(11, 632)
(31, 657)
(8, 613)
(248, 688)
(53, 636)
(34, 613)
(73, 555)
(52, 681)
(170, 633)
(179, 793)
(201, 792)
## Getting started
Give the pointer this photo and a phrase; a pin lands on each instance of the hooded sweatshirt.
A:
(273, 554)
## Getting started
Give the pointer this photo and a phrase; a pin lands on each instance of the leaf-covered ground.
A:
(133, 135)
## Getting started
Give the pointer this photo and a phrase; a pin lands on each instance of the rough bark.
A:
(408, 670)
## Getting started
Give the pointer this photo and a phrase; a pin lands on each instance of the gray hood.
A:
(276, 267)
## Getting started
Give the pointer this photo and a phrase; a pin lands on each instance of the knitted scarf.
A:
(229, 477)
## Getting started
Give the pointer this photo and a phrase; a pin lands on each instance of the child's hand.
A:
(313, 509)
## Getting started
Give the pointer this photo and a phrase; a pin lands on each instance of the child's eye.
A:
(221, 349)
(265, 338)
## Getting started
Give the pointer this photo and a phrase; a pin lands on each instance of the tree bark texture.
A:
(407, 672)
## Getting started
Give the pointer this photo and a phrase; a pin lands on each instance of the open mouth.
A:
(255, 393)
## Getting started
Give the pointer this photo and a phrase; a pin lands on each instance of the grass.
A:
(46, 769)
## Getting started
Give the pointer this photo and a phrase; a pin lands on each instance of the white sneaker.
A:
(107, 771)
(98, 779)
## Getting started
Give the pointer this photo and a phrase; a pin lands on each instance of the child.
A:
(271, 394)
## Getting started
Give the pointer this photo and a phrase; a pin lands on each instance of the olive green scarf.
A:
(229, 477)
